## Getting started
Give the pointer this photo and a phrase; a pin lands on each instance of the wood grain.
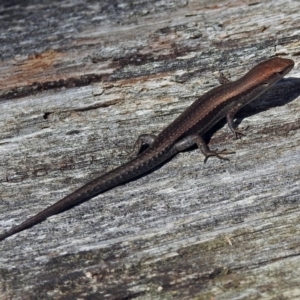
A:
(79, 82)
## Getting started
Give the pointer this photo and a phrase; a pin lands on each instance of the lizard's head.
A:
(273, 69)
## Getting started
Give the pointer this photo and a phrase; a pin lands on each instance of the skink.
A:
(185, 131)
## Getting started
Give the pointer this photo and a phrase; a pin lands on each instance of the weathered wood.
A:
(79, 81)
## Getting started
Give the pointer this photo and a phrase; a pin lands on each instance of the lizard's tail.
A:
(115, 177)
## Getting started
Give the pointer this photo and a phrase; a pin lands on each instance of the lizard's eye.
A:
(281, 72)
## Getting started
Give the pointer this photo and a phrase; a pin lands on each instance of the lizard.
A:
(184, 132)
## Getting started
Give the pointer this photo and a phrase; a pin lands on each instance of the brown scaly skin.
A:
(184, 132)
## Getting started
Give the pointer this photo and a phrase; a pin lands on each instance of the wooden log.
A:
(79, 82)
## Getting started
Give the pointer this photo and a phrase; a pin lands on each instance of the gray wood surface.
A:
(79, 82)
